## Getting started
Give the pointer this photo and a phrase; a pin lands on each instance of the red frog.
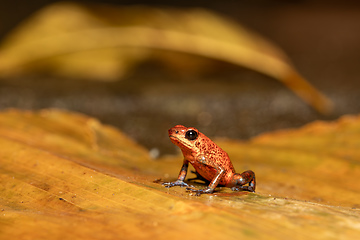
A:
(210, 162)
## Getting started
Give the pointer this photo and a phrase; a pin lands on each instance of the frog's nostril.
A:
(176, 131)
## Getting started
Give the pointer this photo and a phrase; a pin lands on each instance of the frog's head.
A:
(185, 138)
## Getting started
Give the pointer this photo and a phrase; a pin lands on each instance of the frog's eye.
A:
(191, 135)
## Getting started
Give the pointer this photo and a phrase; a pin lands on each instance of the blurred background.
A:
(321, 39)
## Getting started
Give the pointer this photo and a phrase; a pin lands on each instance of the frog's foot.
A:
(243, 188)
(198, 192)
(245, 178)
(176, 183)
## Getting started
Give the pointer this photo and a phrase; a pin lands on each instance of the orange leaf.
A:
(66, 175)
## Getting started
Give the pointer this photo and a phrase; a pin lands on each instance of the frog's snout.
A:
(172, 132)
(175, 130)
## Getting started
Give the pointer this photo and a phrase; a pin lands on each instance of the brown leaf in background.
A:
(64, 174)
(103, 43)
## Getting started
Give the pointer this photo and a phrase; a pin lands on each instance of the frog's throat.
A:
(179, 141)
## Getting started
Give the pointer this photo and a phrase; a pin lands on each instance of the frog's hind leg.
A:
(247, 177)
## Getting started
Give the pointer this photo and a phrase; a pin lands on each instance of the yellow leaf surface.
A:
(66, 175)
(103, 43)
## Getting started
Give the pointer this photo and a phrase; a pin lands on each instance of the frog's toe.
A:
(198, 192)
(243, 188)
(176, 183)
(167, 184)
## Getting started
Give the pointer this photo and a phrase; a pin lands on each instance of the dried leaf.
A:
(64, 174)
(103, 43)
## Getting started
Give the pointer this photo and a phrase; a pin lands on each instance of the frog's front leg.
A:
(239, 180)
(180, 181)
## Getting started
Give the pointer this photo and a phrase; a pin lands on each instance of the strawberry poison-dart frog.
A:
(210, 162)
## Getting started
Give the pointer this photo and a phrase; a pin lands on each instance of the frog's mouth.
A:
(178, 142)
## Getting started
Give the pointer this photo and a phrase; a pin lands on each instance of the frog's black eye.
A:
(191, 135)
